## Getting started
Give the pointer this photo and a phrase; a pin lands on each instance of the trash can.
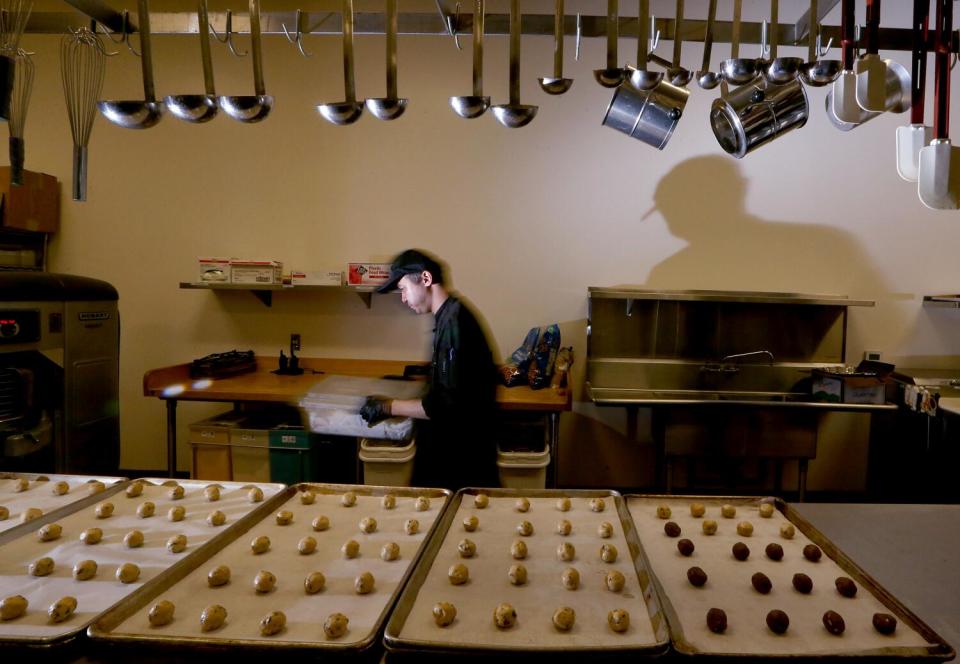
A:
(387, 462)
(297, 455)
(210, 444)
(523, 469)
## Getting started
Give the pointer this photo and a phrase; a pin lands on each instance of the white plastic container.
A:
(523, 470)
(387, 462)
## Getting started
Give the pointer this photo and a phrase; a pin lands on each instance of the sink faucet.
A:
(725, 366)
(740, 356)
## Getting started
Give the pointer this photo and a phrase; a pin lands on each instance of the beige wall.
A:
(528, 219)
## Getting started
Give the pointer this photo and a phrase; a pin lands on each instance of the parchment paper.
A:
(40, 495)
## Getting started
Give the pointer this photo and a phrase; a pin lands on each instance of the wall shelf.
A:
(945, 301)
(265, 293)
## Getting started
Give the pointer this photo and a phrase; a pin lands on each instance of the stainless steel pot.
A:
(647, 115)
(755, 114)
(898, 97)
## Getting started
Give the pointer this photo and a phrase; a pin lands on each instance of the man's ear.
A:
(427, 278)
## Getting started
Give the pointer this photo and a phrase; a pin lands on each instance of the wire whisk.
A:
(82, 68)
(14, 15)
(23, 74)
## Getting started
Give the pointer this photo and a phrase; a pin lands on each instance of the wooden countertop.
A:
(174, 382)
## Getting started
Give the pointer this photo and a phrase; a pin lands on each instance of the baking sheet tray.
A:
(412, 629)
(729, 587)
(99, 593)
(127, 623)
(40, 494)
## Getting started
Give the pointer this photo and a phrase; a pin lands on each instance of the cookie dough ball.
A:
(273, 623)
(216, 518)
(709, 527)
(696, 576)
(458, 574)
(884, 623)
(368, 525)
(29, 514)
(4, 513)
(50, 532)
(176, 513)
(564, 527)
(766, 510)
(16, 605)
(518, 550)
(363, 584)
(697, 510)
(212, 618)
(672, 529)
(146, 510)
(480, 501)
(833, 622)
(563, 618)
(284, 518)
(802, 583)
(563, 504)
(728, 511)
(133, 539)
(95, 486)
(60, 488)
(741, 551)
(335, 625)
(320, 524)
(349, 499)
(161, 613)
(421, 504)
(525, 528)
(350, 549)
(566, 552)
(314, 583)
(128, 573)
(778, 621)
(91, 536)
(62, 609)
(212, 493)
(504, 616)
(176, 492)
(308, 497)
(570, 578)
(470, 523)
(615, 581)
(264, 581)
(664, 512)
(812, 553)
(787, 531)
(85, 570)
(597, 504)
(306, 546)
(135, 490)
(717, 621)
(522, 505)
(517, 574)
(745, 529)
(390, 551)
(608, 553)
(774, 552)
(761, 583)
(21, 485)
(846, 586)
(467, 548)
(411, 526)
(218, 576)
(177, 544)
(388, 502)
(41, 567)
(260, 544)
(685, 547)
(255, 495)
(444, 613)
(619, 620)
(605, 530)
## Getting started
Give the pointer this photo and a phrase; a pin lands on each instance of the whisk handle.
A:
(79, 172)
(16, 160)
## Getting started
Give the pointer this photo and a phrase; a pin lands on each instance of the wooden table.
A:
(173, 384)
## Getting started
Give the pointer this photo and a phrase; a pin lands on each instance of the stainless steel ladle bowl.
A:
(137, 114)
(347, 111)
(476, 104)
(198, 108)
(390, 107)
(255, 107)
(557, 84)
(706, 78)
(514, 114)
(817, 72)
(611, 76)
(736, 70)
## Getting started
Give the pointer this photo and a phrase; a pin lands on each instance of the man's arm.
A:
(408, 408)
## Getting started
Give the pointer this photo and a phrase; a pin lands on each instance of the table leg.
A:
(553, 422)
(802, 481)
(171, 437)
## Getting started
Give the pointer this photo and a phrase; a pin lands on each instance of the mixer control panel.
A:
(19, 326)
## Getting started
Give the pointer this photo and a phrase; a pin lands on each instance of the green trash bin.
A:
(297, 455)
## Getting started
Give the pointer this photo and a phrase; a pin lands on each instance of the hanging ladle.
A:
(736, 70)
(389, 107)
(707, 79)
(871, 69)
(677, 74)
(347, 111)
(611, 76)
(475, 105)
(915, 136)
(557, 84)
(642, 78)
(515, 114)
(137, 114)
(779, 70)
(844, 97)
(817, 72)
(198, 108)
(251, 108)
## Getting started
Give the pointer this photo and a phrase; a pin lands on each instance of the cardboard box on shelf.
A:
(262, 273)
(214, 270)
(368, 274)
(316, 277)
(31, 206)
(866, 384)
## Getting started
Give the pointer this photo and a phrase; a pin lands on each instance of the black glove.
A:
(375, 409)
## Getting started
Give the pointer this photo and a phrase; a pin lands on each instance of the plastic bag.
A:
(561, 373)
(544, 358)
(515, 371)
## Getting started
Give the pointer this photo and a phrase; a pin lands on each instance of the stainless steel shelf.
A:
(942, 301)
(650, 398)
(631, 293)
(265, 292)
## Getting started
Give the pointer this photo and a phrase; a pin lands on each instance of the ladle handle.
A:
(613, 33)
(735, 30)
(558, 40)
(873, 27)
(146, 57)
(478, 26)
(391, 49)
(643, 34)
(847, 26)
(349, 87)
(79, 173)
(708, 39)
(918, 73)
(812, 32)
(677, 31)
(515, 52)
(941, 74)
(774, 28)
(203, 26)
(258, 85)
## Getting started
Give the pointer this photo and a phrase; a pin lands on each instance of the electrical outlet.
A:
(872, 355)
(294, 342)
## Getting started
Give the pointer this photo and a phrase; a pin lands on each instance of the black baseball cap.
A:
(412, 261)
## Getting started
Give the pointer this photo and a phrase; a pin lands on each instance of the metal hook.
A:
(228, 37)
(824, 51)
(576, 55)
(654, 34)
(97, 28)
(89, 35)
(298, 40)
(451, 22)
(764, 46)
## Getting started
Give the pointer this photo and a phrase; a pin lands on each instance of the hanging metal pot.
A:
(647, 115)
(898, 98)
(757, 113)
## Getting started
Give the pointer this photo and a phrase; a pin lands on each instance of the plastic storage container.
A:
(523, 469)
(387, 462)
(210, 443)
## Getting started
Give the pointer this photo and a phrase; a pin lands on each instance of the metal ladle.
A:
(677, 74)
(778, 70)
(198, 108)
(475, 105)
(707, 79)
(251, 108)
(736, 70)
(642, 78)
(557, 84)
(137, 114)
(612, 76)
(817, 72)
(515, 114)
(347, 111)
(389, 107)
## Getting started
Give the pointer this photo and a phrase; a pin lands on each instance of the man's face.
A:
(414, 293)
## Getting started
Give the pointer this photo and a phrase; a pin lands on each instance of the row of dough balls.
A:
(388, 501)
(505, 617)
(214, 617)
(482, 500)
(265, 582)
(83, 570)
(60, 488)
(525, 528)
(518, 550)
(132, 540)
(307, 545)
(727, 511)
(459, 574)
(778, 622)
(211, 492)
(367, 524)
(744, 529)
(148, 509)
(15, 606)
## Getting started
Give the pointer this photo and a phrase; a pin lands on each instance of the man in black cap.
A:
(455, 447)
